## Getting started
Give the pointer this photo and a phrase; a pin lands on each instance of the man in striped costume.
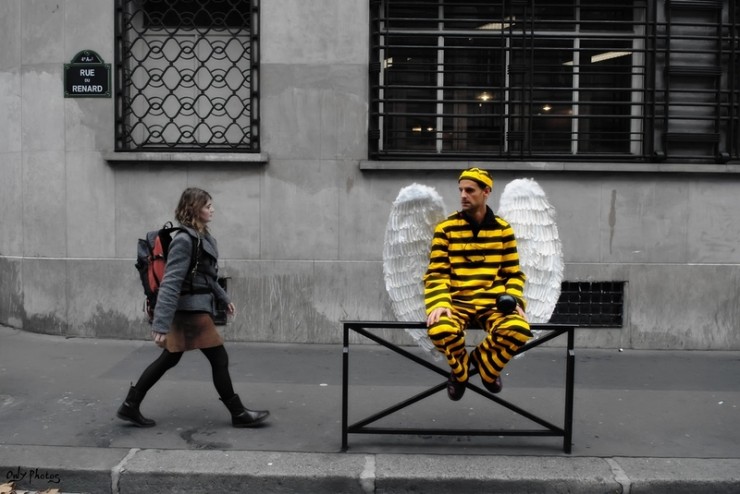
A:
(472, 264)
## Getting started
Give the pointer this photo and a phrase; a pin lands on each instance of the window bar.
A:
(377, 59)
(530, 83)
(506, 77)
(118, 69)
(718, 106)
(639, 80)
(381, 90)
(666, 76)
(440, 82)
(733, 82)
(254, 97)
(575, 84)
(650, 81)
(718, 85)
(574, 122)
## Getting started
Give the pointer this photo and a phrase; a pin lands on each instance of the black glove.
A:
(506, 304)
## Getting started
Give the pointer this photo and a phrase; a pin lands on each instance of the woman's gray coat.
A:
(176, 292)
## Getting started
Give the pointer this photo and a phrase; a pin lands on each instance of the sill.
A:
(147, 157)
(550, 166)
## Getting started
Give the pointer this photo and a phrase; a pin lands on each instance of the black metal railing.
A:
(543, 427)
(524, 79)
(187, 75)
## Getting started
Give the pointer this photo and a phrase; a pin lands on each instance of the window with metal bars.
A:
(558, 79)
(187, 75)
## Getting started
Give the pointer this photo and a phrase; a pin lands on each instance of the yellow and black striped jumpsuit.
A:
(469, 266)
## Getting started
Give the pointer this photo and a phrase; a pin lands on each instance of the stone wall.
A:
(301, 228)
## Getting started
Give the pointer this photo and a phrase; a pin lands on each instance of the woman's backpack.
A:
(151, 259)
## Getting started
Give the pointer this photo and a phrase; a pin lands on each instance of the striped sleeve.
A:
(437, 277)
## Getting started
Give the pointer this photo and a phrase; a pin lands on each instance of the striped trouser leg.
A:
(505, 336)
(448, 336)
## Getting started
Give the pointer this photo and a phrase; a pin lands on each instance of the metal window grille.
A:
(187, 75)
(590, 304)
(562, 79)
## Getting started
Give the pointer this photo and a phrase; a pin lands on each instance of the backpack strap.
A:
(194, 263)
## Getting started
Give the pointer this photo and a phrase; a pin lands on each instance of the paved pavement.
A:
(644, 421)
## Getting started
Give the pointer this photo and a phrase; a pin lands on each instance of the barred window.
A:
(187, 75)
(558, 79)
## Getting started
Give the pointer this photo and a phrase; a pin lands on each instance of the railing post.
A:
(345, 385)
(569, 385)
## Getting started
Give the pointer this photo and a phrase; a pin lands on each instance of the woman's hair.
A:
(188, 209)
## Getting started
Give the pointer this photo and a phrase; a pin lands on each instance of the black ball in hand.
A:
(506, 304)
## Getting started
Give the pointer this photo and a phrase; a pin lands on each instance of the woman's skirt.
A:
(191, 330)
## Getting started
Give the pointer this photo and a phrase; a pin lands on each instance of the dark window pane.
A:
(191, 14)
(554, 15)
(619, 16)
(474, 14)
(605, 97)
(411, 14)
(410, 73)
(542, 97)
(474, 102)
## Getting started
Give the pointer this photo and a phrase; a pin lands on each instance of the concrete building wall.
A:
(301, 229)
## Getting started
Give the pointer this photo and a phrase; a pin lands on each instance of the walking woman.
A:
(183, 315)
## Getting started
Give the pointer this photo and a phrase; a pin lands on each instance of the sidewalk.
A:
(645, 421)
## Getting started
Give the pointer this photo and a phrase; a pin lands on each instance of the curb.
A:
(124, 471)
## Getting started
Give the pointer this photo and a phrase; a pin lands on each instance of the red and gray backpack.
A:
(151, 259)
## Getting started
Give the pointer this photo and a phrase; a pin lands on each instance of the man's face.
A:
(472, 197)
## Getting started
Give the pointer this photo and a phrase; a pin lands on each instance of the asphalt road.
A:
(65, 392)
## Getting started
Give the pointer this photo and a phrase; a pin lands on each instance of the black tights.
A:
(216, 355)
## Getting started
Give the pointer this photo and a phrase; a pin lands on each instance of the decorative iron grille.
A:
(559, 79)
(187, 75)
(590, 304)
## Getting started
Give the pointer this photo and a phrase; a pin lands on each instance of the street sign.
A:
(87, 76)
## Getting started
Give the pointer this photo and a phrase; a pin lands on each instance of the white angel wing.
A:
(408, 236)
(525, 206)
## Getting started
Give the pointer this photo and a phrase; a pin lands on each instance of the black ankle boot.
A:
(241, 416)
(129, 410)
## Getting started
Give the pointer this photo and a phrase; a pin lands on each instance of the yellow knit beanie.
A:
(477, 175)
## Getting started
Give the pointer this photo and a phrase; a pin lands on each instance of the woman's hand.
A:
(159, 338)
(230, 313)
